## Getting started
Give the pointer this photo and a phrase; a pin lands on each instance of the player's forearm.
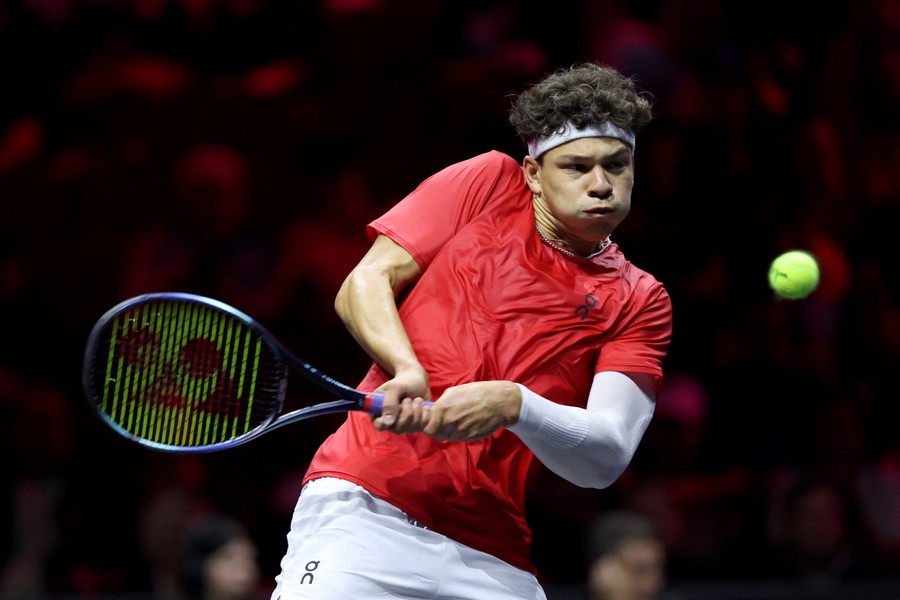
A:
(589, 447)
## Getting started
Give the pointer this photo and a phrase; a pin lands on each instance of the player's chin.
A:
(598, 224)
(608, 217)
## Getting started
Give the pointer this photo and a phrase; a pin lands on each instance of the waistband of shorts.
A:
(325, 486)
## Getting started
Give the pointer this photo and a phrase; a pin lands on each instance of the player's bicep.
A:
(386, 265)
(390, 259)
(627, 399)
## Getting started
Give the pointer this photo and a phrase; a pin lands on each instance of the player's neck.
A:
(548, 227)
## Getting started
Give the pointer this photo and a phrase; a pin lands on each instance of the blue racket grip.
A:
(374, 400)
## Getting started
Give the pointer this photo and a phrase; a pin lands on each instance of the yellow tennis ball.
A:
(794, 275)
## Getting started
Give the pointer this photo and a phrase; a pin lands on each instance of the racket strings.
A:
(185, 374)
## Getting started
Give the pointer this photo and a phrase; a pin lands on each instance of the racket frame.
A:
(349, 398)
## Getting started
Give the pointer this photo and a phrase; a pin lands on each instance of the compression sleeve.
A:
(589, 447)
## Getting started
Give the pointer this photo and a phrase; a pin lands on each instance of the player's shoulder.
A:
(494, 160)
(639, 279)
(490, 170)
(649, 289)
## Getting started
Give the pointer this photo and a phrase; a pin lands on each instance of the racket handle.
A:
(374, 401)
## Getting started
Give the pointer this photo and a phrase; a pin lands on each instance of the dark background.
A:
(237, 148)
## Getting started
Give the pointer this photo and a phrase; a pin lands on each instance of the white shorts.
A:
(345, 543)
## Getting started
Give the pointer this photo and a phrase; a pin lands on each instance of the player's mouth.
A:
(601, 210)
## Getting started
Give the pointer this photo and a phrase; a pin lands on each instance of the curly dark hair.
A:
(585, 94)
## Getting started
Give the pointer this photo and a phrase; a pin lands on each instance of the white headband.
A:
(569, 132)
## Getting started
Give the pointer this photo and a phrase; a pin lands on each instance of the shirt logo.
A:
(590, 301)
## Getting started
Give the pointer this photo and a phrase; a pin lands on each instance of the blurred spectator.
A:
(162, 522)
(878, 489)
(626, 558)
(36, 437)
(219, 561)
(815, 538)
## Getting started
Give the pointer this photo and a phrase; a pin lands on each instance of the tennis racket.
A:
(183, 373)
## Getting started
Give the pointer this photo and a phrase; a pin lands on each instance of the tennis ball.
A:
(794, 275)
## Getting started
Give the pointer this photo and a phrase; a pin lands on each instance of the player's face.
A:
(586, 187)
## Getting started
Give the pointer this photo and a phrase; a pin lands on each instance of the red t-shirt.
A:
(494, 303)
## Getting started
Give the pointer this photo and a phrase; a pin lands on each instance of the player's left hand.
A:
(473, 411)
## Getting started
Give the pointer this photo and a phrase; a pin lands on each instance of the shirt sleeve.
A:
(591, 446)
(444, 203)
(643, 341)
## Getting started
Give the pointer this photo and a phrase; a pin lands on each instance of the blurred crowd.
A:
(237, 148)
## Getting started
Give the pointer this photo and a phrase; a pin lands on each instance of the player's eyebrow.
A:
(621, 153)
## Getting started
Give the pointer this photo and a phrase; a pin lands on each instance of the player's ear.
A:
(532, 170)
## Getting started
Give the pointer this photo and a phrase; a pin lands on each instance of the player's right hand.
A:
(403, 409)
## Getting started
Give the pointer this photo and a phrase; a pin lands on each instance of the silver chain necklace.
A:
(557, 245)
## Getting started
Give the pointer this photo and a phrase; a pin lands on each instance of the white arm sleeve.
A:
(589, 447)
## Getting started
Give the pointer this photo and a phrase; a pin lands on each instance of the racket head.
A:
(183, 373)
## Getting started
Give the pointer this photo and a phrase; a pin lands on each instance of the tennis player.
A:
(495, 290)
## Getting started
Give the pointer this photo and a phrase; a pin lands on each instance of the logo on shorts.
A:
(310, 567)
